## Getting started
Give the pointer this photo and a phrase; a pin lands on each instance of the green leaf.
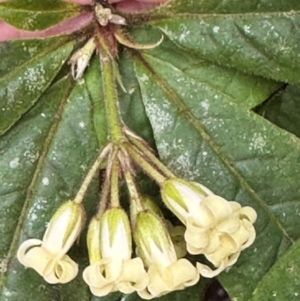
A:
(284, 110)
(204, 134)
(195, 93)
(45, 156)
(35, 14)
(26, 71)
(229, 6)
(256, 39)
(283, 280)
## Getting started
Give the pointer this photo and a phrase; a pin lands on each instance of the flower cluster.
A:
(214, 227)
(139, 251)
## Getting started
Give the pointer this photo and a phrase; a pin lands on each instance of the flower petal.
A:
(94, 276)
(25, 248)
(133, 277)
(177, 276)
(61, 271)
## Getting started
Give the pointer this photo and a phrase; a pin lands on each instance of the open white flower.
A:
(215, 227)
(48, 256)
(111, 266)
(166, 272)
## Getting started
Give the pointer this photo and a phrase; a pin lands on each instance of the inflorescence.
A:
(138, 250)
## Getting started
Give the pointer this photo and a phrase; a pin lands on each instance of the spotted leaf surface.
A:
(218, 100)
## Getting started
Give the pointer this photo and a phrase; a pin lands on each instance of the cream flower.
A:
(111, 266)
(166, 272)
(48, 256)
(215, 227)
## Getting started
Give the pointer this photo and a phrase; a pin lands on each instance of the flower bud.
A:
(183, 198)
(115, 234)
(81, 58)
(112, 269)
(48, 257)
(176, 232)
(166, 273)
(153, 241)
(94, 240)
(64, 228)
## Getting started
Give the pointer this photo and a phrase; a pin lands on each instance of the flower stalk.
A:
(147, 152)
(110, 91)
(89, 177)
(139, 159)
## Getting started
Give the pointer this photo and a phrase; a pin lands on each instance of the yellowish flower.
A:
(110, 248)
(48, 256)
(166, 272)
(215, 227)
(176, 232)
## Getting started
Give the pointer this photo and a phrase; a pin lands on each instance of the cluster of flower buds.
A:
(212, 226)
(215, 227)
(155, 266)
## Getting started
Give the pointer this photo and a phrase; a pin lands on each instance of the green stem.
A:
(110, 91)
(144, 148)
(136, 205)
(89, 177)
(144, 164)
(104, 196)
(114, 187)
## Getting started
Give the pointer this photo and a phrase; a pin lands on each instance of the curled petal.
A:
(33, 256)
(98, 277)
(229, 226)
(218, 206)
(177, 276)
(228, 247)
(61, 271)
(198, 240)
(251, 234)
(249, 213)
(25, 248)
(133, 277)
(207, 272)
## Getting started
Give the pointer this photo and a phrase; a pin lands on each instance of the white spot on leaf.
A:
(14, 163)
(216, 29)
(45, 181)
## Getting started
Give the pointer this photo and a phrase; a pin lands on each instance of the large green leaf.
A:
(204, 135)
(195, 92)
(256, 38)
(35, 14)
